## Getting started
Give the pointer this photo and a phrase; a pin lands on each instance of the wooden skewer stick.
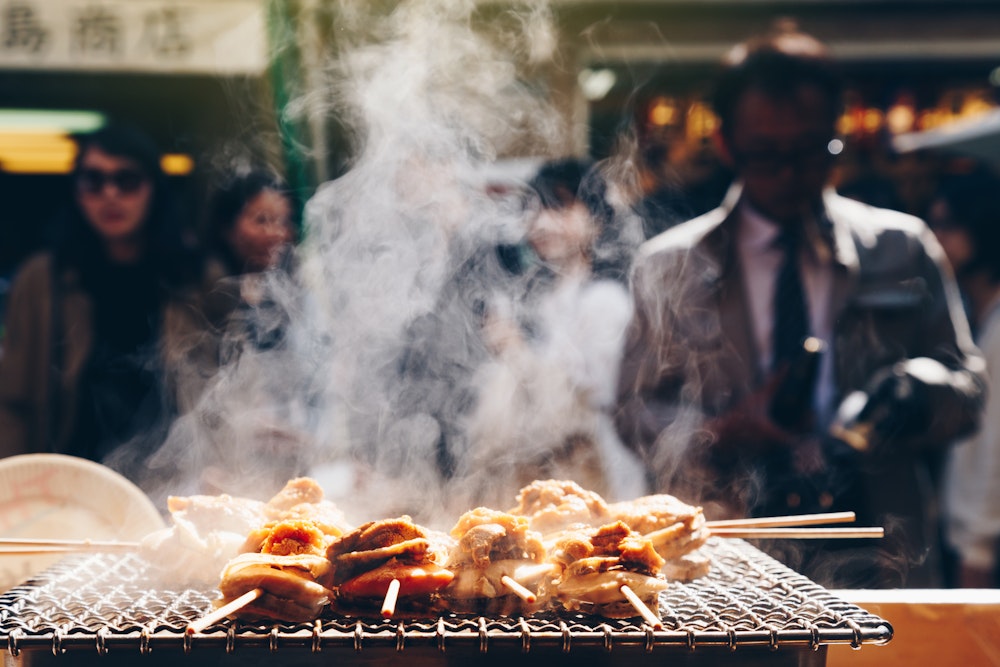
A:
(640, 606)
(782, 521)
(518, 590)
(224, 611)
(800, 533)
(41, 551)
(391, 595)
(68, 545)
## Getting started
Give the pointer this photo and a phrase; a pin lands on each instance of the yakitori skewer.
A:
(391, 595)
(26, 545)
(783, 521)
(517, 589)
(225, 610)
(641, 607)
(800, 533)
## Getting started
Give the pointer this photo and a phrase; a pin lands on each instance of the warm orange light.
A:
(901, 118)
(871, 120)
(662, 112)
(36, 152)
(701, 121)
(176, 164)
(974, 106)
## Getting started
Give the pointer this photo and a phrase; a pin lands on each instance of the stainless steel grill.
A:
(104, 605)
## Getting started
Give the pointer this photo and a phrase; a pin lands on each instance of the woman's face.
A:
(261, 229)
(114, 194)
(558, 235)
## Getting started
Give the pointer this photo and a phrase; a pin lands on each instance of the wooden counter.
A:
(958, 627)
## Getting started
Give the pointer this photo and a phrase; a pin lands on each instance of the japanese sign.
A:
(194, 36)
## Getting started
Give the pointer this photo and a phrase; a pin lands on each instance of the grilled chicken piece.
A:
(687, 567)
(675, 527)
(367, 559)
(484, 535)
(296, 492)
(302, 498)
(290, 538)
(205, 533)
(596, 563)
(493, 545)
(552, 505)
(295, 587)
(650, 513)
(217, 513)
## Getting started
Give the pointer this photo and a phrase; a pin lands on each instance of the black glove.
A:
(895, 404)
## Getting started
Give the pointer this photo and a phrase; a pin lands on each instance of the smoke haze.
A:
(383, 385)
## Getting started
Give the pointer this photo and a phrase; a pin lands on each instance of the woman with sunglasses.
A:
(97, 326)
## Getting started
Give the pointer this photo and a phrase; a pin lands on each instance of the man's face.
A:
(779, 148)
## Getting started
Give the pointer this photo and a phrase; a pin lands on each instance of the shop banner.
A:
(169, 36)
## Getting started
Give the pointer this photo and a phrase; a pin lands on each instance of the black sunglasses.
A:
(126, 181)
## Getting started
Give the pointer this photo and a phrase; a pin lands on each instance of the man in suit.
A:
(760, 322)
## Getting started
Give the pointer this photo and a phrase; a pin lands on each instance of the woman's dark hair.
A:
(228, 202)
(973, 200)
(170, 253)
(777, 63)
(561, 183)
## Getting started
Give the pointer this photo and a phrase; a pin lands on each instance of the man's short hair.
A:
(776, 63)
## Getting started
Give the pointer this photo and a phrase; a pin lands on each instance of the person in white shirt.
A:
(965, 216)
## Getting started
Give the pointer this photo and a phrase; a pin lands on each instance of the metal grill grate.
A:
(105, 601)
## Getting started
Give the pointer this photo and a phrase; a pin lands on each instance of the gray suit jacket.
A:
(690, 354)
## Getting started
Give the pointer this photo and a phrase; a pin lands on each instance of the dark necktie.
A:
(791, 313)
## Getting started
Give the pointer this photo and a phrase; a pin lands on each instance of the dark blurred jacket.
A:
(690, 356)
(38, 392)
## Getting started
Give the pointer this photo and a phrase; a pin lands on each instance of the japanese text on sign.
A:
(220, 36)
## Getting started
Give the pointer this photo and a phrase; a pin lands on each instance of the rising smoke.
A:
(384, 385)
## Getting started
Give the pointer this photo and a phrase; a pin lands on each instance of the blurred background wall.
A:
(223, 81)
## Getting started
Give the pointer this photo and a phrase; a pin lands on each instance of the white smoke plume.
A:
(378, 385)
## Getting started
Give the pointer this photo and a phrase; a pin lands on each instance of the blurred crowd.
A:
(740, 333)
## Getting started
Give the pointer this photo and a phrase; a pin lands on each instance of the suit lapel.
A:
(739, 362)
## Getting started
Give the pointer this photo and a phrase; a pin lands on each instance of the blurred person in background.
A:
(545, 398)
(965, 216)
(99, 329)
(794, 351)
(251, 231)
(252, 408)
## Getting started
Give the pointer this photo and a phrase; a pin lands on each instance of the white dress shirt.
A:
(760, 260)
(972, 478)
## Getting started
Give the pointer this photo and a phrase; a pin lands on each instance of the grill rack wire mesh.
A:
(104, 601)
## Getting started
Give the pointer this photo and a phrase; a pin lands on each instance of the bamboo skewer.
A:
(519, 590)
(25, 545)
(224, 611)
(641, 607)
(782, 521)
(391, 595)
(800, 533)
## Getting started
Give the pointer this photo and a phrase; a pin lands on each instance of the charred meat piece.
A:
(366, 560)
(295, 587)
(592, 576)
(552, 505)
(492, 545)
(675, 528)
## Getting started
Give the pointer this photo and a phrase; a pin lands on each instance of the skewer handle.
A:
(391, 595)
(800, 533)
(224, 611)
(641, 607)
(518, 590)
(67, 545)
(781, 521)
